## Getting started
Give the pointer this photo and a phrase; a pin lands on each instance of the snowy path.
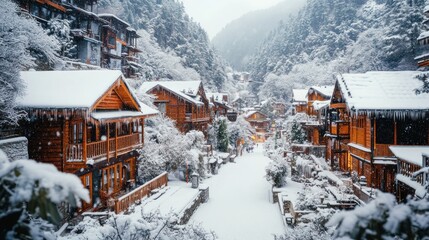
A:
(239, 206)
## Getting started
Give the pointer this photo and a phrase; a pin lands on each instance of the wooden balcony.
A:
(124, 202)
(338, 105)
(340, 129)
(408, 169)
(100, 149)
(197, 117)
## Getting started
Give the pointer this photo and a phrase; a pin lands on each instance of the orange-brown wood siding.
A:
(45, 142)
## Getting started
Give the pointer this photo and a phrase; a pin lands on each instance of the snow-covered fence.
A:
(124, 202)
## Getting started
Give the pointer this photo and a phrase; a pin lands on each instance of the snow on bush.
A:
(32, 188)
(137, 227)
(240, 130)
(167, 149)
(277, 170)
(384, 218)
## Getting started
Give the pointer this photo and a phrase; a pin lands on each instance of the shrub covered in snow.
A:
(384, 218)
(240, 130)
(29, 195)
(167, 149)
(137, 227)
(277, 170)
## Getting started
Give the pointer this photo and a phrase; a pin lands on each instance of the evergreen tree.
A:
(297, 133)
(222, 136)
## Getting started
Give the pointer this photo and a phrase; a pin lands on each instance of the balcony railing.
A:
(408, 170)
(99, 149)
(197, 117)
(124, 202)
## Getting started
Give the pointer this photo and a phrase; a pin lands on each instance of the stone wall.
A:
(202, 197)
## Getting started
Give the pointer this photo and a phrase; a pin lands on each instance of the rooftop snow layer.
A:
(185, 89)
(113, 16)
(323, 90)
(65, 89)
(300, 95)
(383, 91)
(411, 154)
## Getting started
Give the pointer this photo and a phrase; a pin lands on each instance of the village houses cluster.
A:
(372, 124)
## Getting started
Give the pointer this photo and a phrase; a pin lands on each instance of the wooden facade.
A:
(99, 143)
(260, 123)
(360, 141)
(188, 114)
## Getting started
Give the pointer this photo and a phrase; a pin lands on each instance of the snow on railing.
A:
(124, 202)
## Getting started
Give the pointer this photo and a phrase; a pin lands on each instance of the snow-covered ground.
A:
(239, 206)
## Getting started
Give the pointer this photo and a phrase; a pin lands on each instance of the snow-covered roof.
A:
(299, 95)
(426, 9)
(109, 15)
(323, 90)
(411, 154)
(393, 91)
(65, 89)
(185, 89)
(217, 97)
(115, 114)
(249, 113)
(423, 35)
(317, 105)
(147, 111)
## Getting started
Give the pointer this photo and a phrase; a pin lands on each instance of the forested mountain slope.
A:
(173, 32)
(240, 39)
(329, 36)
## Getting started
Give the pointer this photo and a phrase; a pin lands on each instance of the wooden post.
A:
(116, 139)
(84, 140)
(108, 141)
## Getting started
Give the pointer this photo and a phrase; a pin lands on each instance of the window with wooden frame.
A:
(76, 133)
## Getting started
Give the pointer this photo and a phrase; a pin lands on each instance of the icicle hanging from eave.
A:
(413, 114)
(53, 114)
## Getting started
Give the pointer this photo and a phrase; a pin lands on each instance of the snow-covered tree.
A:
(240, 130)
(23, 43)
(222, 135)
(167, 149)
(60, 29)
(277, 170)
(29, 195)
(384, 218)
(298, 134)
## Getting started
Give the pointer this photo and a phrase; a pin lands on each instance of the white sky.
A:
(213, 15)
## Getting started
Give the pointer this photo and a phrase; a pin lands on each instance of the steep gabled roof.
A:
(392, 91)
(325, 91)
(188, 90)
(65, 89)
(299, 95)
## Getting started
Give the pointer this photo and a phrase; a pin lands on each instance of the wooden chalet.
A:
(317, 93)
(316, 125)
(371, 112)
(119, 45)
(261, 123)
(219, 103)
(185, 102)
(423, 42)
(412, 178)
(299, 100)
(85, 122)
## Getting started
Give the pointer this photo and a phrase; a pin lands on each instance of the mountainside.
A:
(173, 32)
(330, 36)
(241, 38)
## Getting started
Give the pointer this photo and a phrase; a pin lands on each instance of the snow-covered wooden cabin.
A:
(119, 46)
(377, 110)
(185, 102)
(299, 100)
(422, 57)
(260, 122)
(317, 93)
(412, 177)
(85, 122)
(219, 103)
